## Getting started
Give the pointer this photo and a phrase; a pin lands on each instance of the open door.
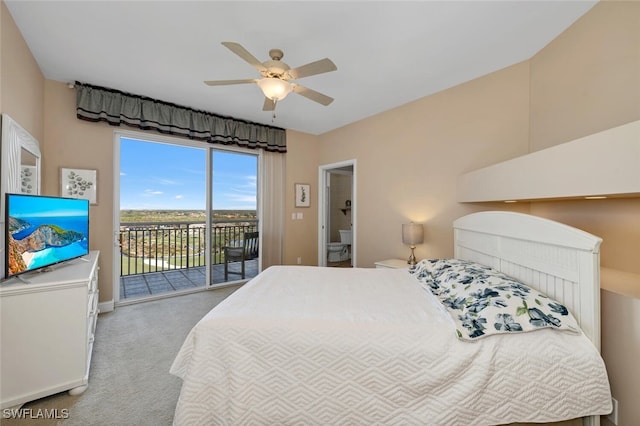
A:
(337, 228)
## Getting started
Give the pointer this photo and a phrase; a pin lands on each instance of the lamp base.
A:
(412, 258)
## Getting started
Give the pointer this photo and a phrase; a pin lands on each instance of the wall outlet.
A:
(300, 263)
(613, 417)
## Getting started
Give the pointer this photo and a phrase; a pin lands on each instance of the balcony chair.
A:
(247, 251)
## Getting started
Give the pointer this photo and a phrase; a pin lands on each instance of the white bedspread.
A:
(331, 346)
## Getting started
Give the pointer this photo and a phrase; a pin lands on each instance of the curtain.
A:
(272, 182)
(95, 103)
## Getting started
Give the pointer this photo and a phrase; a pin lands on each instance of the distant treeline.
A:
(182, 215)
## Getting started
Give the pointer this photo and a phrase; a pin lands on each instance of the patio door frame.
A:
(209, 149)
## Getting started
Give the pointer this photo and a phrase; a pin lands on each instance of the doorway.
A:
(337, 230)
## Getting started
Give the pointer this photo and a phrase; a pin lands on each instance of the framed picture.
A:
(78, 183)
(302, 195)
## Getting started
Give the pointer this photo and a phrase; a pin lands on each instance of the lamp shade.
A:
(274, 88)
(412, 233)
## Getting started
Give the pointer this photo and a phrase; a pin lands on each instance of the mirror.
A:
(20, 169)
(29, 172)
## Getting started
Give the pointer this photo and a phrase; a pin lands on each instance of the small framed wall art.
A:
(78, 183)
(302, 195)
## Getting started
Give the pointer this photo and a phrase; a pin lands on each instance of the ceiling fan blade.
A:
(227, 82)
(313, 68)
(244, 54)
(312, 94)
(269, 105)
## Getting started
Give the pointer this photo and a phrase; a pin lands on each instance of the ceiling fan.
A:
(276, 76)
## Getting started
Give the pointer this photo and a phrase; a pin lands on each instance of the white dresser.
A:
(47, 330)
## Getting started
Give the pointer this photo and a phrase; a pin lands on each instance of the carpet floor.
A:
(129, 380)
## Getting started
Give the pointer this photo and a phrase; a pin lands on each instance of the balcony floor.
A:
(175, 280)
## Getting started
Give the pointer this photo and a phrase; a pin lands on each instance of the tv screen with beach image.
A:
(42, 231)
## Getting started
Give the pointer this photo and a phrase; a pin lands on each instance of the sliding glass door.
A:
(179, 205)
(234, 214)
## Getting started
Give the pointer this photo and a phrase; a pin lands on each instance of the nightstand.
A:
(392, 263)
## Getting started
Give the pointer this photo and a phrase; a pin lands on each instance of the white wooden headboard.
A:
(559, 260)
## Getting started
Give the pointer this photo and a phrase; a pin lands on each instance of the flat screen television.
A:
(42, 231)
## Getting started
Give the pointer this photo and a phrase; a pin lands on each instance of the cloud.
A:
(165, 181)
(179, 197)
(198, 172)
(151, 192)
(242, 198)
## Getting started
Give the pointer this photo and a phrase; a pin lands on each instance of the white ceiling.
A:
(387, 53)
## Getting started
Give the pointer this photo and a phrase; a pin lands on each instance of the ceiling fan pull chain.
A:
(273, 117)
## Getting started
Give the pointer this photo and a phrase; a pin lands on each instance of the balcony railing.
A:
(163, 246)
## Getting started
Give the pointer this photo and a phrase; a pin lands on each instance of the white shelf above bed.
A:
(603, 164)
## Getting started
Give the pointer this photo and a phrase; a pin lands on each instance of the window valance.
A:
(95, 103)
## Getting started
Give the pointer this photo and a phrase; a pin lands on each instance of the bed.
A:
(358, 346)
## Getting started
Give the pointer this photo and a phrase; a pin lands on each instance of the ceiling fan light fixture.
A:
(275, 88)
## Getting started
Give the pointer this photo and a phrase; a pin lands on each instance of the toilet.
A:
(339, 252)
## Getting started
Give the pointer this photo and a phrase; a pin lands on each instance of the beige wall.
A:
(21, 81)
(408, 159)
(78, 144)
(588, 80)
(301, 236)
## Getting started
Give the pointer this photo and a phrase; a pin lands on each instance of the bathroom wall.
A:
(340, 193)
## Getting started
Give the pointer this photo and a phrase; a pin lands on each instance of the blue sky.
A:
(163, 176)
(30, 206)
